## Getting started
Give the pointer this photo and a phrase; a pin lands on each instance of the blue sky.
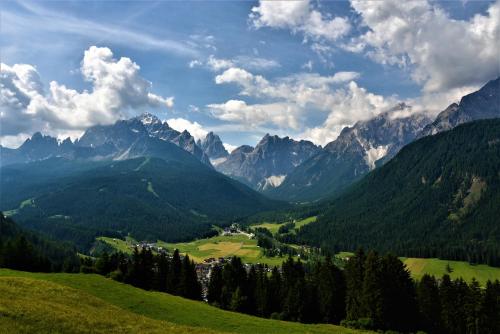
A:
(241, 69)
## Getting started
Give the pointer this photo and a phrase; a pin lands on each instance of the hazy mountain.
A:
(269, 163)
(438, 197)
(356, 151)
(483, 104)
(121, 140)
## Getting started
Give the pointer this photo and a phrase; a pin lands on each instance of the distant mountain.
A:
(121, 140)
(439, 196)
(213, 148)
(483, 104)
(172, 199)
(269, 163)
(356, 151)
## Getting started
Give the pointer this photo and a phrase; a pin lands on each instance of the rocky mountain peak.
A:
(482, 104)
(269, 162)
(213, 147)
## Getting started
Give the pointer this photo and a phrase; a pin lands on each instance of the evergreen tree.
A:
(161, 272)
(174, 273)
(489, 321)
(372, 294)
(331, 288)
(473, 308)
(189, 287)
(429, 304)
(274, 292)
(103, 264)
(238, 300)
(398, 293)
(354, 273)
(214, 293)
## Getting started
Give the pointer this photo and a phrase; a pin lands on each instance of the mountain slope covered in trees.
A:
(439, 197)
(147, 197)
(24, 250)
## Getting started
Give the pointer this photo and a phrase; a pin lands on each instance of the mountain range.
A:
(438, 197)
(143, 177)
(356, 151)
(268, 163)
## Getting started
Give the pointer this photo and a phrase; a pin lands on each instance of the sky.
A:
(241, 69)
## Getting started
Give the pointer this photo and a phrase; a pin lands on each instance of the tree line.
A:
(145, 270)
(27, 251)
(371, 292)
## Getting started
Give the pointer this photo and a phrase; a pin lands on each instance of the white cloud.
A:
(118, 90)
(302, 89)
(442, 53)
(216, 64)
(299, 17)
(294, 98)
(308, 66)
(230, 148)
(348, 105)
(42, 19)
(252, 116)
(194, 128)
(248, 62)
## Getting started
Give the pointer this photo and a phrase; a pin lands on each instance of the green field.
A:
(83, 303)
(436, 267)
(273, 227)
(224, 246)
(481, 272)
(126, 246)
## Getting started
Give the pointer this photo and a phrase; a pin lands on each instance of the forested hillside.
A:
(439, 197)
(147, 197)
(23, 250)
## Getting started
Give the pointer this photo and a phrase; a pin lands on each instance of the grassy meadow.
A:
(79, 303)
(481, 272)
(273, 227)
(436, 267)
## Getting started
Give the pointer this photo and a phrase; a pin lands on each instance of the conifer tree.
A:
(174, 273)
(354, 273)
(429, 304)
(490, 309)
(214, 293)
(372, 294)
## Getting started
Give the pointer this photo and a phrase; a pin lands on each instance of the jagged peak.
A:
(148, 118)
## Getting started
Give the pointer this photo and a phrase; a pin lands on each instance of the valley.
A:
(227, 245)
(250, 167)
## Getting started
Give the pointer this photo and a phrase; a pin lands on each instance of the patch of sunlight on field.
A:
(274, 227)
(481, 272)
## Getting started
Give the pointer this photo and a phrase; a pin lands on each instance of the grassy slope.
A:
(34, 306)
(141, 310)
(419, 266)
(482, 273)
(275, 227)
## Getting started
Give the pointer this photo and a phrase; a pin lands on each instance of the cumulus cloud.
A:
(194, 128)
(443, 53)
(302, 89)
(348, 105)
(299, 17)
(282, 114)
(117, 91)
(292, 99)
